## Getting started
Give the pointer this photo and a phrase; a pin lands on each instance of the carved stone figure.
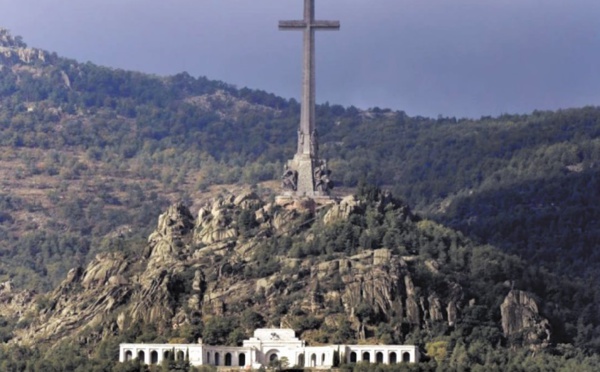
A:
(322, 181)
(289, 179)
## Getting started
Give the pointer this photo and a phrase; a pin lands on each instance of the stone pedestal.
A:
(308, 177)
(305, 167)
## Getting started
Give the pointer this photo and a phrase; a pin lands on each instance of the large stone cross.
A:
(306, 174)
(307, 117)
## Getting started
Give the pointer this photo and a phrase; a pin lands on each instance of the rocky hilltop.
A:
(365, 267)
(13, 50)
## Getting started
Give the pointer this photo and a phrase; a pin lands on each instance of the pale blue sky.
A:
(426, 57)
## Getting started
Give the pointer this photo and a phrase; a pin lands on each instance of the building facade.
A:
(267, 346)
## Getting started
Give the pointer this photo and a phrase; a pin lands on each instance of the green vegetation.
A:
(476, 342)
(92, 155)
(526, 183)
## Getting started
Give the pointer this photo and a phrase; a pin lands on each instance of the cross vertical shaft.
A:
(307, 115)
(308, 25)
(306, 174)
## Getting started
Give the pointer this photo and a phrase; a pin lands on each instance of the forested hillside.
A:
(90, 156)
(87, 151)
(365, 270)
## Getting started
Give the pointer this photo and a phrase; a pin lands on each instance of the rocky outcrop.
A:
(152, 303)
(350, 204)
(211, 253)
(369, 283)
(198, 288)
(14, 50)
(195, 269)
(225, 105)
(158, 286)
(435, 308)
(247, 200)
(166, 243)
(413, 315)
(455, 298)
(215, 224)
(14, 303)
(86, 298)
(522, 322)
(9, 41)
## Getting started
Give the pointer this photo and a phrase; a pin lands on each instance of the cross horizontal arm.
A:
(324, 25)
(291, 24)
(321, 25)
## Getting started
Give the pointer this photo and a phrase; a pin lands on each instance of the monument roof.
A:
(275, 334)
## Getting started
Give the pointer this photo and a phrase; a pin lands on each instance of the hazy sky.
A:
(426, 57)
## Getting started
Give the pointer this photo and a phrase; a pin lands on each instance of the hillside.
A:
(363, 270)
(90, 156)
(90, 151)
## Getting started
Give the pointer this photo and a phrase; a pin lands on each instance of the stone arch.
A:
(366, 357)
(217, 359)
(393, 358)
(301, 360)
(323, 359)
(242, 360)
(406, 356)
(208, 357)
(128, 355)
(228, 359)
(353, 357)
(180, 355)
(271, 355)
(379, 357)
(141, 355)
(154, 357)
(313, 360)
(166, 355)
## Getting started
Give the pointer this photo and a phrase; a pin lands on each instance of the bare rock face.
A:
(247, 200)
(15, 303)
(13, 49)
(84, 299)
(151, 303)
(365, 283)
(176, 222)
(116, 290)
(215, 224)
(521, 320)
(198, 286)
(195, 269)
(281, 221)
(343, 210)
(225, 105)
(435, 308)
(110, 272)
(413, 315)
(454, 300)
(166, 242)
(158, 286)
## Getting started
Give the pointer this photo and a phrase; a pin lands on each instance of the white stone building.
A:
(268, 345)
